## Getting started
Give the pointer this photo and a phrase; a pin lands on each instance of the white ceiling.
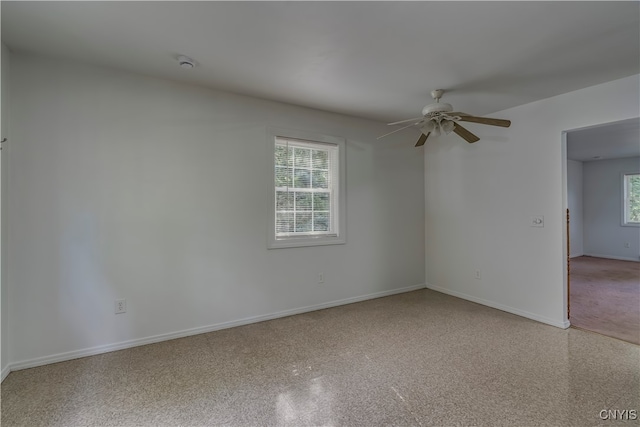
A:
(610, 141)
(377, 60)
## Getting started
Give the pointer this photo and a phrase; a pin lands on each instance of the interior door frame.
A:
(566, 254)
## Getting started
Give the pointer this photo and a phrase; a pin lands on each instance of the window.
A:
(307, 190)
(631, 197)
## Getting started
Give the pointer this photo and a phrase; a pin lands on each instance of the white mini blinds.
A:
(631, 199)
(307, 192)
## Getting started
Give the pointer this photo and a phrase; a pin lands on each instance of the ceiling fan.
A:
(440, 118)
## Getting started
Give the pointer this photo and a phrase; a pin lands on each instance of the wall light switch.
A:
(537, 221)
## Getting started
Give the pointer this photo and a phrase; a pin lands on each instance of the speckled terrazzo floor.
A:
(416, 359)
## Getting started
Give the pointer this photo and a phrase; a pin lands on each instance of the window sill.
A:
(298, 242)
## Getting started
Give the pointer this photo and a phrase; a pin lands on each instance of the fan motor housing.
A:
(440, 107)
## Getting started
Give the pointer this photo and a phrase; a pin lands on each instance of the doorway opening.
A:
(602, 202)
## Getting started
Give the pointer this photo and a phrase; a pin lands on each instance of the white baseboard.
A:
(4, 373)
(564, 325)
(61, 357)
(621, 258)
(576, 255)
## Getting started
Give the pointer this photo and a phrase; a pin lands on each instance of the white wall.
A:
(124, 186)
(4, 133)
(479, 199)
(604, 234)
(575, 203)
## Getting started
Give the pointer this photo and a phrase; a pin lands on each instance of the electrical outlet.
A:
(478, 275)
(120, 306)
(320, 277)
(627, 245)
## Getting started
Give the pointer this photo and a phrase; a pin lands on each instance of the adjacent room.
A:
(316, 213)
(603, 188)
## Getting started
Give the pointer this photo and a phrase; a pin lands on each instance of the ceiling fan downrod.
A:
(437, 94)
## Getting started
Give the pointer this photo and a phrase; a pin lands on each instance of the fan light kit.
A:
(186, 62)
(440, 118)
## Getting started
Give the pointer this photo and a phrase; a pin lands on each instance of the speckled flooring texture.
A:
(416, 359)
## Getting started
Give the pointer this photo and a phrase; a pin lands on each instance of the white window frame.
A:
(338, 202)
(625, 199)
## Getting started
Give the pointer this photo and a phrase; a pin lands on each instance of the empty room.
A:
(309, 213)
(603, 193)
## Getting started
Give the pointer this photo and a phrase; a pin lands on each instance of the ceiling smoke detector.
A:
(186, 62)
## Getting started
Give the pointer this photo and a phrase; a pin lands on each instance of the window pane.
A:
(284, 176)
(306, 191)
(303, 222)
(320, 159)
(284, 222)
(302, 157)
(284, 201)
(302, 178)
(282, 157)
(321, 202)
(321, 221)
(303, 201)
(633, 198)
(320, 179)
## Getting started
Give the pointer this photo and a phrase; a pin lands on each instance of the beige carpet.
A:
(416, 359)
(605, 297)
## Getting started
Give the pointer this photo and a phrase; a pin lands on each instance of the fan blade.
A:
(484, 120)
(404, 121)
(423, 139)
(397, 130)
(465, 134)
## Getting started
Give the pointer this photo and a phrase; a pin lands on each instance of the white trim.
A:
(6, 371)
(61, 357)
(548, 321)
(620, 258)
(576, 255)
(625, 199)
(339, 218)
(566, 231)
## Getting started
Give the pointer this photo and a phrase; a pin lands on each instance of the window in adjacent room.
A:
(631, 197)
(307, 191)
